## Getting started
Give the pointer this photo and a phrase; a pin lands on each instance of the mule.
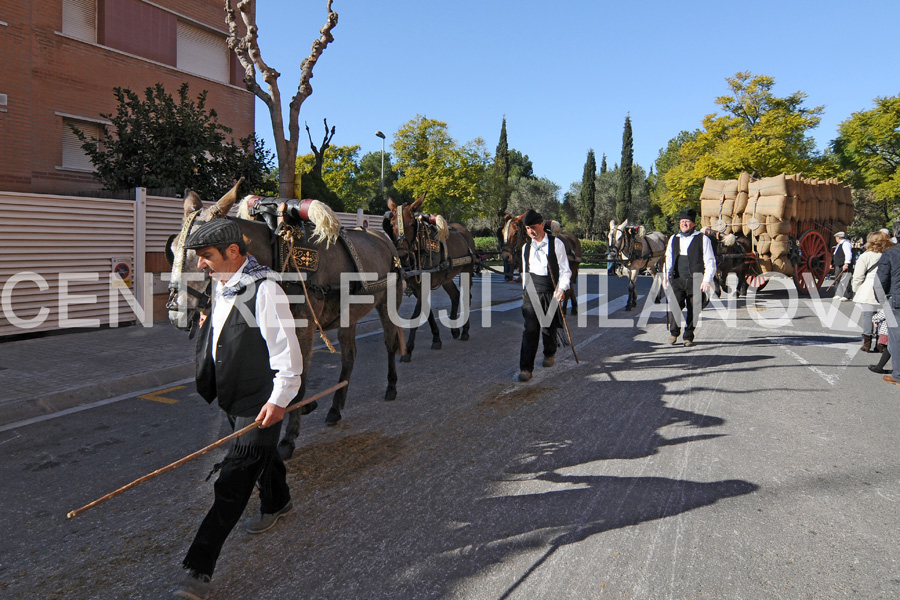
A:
(635, 250)
(733, 253)
(337, 252)
(512, 239)
(426, 243)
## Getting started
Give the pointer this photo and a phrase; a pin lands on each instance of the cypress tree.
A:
(501, 173)
(603, 167)
(588, 194)
(623, 194)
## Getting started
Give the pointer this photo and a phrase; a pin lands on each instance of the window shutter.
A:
(79, 19)
(202, 52)
(73, 157)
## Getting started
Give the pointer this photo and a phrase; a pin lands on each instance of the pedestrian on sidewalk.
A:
(689, 257)
(889, 278)
(863, 284)
(545, 276)
(248, 358)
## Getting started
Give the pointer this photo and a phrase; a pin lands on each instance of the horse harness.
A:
(425, 243)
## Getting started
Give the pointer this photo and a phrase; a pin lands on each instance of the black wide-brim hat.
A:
(689, 214)
(217, 232)
(532, 217)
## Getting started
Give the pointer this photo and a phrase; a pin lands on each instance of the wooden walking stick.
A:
(562, 313)
(200, 452)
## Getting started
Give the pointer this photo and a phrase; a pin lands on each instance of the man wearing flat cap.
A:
(841, 262)
(545, 277)
(249, 359)
(689, 260)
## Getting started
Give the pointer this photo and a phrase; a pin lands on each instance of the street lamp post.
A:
(381, 135)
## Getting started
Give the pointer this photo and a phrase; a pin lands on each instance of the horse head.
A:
(189, 286)
(404, 227)
(617, 240)
(512, 240)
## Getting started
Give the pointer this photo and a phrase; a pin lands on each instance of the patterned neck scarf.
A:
(250, 274)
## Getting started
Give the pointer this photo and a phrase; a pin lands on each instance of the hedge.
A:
(489, 244)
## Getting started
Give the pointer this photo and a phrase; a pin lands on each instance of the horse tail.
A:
(327, 223)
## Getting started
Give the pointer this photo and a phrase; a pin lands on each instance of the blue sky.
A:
(565, 74)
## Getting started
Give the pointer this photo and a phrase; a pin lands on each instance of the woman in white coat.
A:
(864, 277)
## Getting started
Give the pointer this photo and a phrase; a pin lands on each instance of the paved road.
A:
(761, 463)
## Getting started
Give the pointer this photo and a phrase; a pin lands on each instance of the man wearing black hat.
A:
(841, 262)
(545, 277)
(248, 358)
(689, 255)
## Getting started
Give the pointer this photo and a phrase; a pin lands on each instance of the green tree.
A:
(160, 142)
(429, 161)
(623, 194)
(538, 194)
(340, 173)
(500, 188)
(520, 165)
(758, 132)
(588, 194)
(603, 167)
(370, 183)
(868, 149)
(669, 157)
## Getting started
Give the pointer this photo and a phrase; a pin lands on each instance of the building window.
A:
(202, 52)
(79, 19)
(73, 157)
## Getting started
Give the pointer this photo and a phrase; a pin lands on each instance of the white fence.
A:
(58, 255)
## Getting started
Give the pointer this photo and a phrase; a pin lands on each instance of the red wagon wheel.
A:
(815, 259)
(757, 281)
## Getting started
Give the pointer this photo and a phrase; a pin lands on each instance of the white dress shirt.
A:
(539, 265)
(848, 250)
(275, 322)
(709, 257)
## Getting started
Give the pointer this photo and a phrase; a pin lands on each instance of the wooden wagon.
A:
(788, 220)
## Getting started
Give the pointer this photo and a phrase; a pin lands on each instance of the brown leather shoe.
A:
(549, 361)
(524, 375)
(890, 379)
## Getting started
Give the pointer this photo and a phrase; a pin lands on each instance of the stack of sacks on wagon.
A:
(773, 210)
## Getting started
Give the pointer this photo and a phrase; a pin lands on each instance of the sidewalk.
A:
(45, 375)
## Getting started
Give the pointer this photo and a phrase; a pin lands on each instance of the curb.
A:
(71, 398)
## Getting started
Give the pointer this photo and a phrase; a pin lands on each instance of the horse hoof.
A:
(333, 417)
(285, 449)
(573, 311)
(464, 337)
(454, 333)
(389, 395)
(308, 408)
(406, 357)
(436, 346)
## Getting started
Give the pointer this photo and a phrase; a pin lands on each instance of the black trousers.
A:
(534, 333)
(683, 290)
(251, 460)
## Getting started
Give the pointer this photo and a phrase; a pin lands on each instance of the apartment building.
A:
(62, 58)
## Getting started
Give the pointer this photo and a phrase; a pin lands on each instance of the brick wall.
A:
(52, 73)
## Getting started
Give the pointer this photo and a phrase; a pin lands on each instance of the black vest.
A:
(552, 261)
(241, 377)
(686, 266)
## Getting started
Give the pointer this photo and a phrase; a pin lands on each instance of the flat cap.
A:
(840, 234)
(532, 217)
(216, 232)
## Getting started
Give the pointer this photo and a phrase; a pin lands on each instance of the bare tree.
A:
(247, 50)
(319, 153)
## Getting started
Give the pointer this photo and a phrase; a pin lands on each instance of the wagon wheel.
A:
(814, 258)
(757, 282)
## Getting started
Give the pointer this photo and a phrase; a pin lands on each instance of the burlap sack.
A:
(779, 246)
(763, 244)
(774, 206)
(777, 226)
(769, 186)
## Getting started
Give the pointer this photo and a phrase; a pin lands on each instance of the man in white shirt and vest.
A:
(545, 277)
(689, 258)
(249, 359)
(841, 261)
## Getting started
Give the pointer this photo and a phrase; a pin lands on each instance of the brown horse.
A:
(512, 238)
(635, 250)
(330, 303)
(427, 244)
